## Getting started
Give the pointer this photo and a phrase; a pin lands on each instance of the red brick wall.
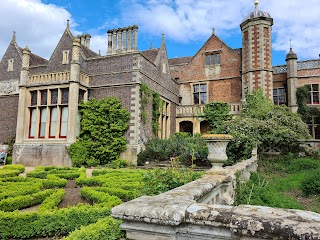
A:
(228, 75)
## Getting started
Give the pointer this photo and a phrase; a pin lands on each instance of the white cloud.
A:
(192, 20)
(39, 26)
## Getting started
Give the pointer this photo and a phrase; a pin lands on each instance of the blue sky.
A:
(187, 24)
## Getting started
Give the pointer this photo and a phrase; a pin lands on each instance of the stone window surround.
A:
(65, 57)
(314, 127)
(199, 92)
(10, 65)
(164, 119)
(314, 94)
(48, 107)
(279, 96)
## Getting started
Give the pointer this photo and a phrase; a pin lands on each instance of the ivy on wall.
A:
(306, 112)
(148, 96)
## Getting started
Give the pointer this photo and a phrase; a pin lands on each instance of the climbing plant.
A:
(148, 96)
(101, 140)
(306, 112)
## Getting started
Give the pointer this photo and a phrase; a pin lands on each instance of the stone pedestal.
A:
(217, 146)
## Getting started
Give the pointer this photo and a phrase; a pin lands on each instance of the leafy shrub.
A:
(19, 190)
(311, 184)
(101, 140)
(264, 125)
(161, 180)
(189, 149)
(52, 201)
(302, 164)
(4, 173)
(106, 228)
(119, 163)
(216, 113)
(257, 191)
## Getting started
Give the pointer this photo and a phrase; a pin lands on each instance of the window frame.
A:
(312, 92)
(278, 96)
(199, 93)
(213, 58)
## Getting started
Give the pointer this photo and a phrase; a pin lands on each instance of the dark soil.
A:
(72, 196)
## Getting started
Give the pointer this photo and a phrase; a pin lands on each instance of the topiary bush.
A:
(311, 184)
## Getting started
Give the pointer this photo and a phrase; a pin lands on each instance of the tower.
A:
(292, 79)
(257, 52)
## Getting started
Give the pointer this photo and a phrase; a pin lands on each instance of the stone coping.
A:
(170, 207)
(179, 206)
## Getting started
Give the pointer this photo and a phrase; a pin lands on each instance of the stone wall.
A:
(8, 117)
(195, 211)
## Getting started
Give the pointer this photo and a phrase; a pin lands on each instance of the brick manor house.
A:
(39, 98)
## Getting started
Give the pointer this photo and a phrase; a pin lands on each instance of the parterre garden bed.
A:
(44, 188)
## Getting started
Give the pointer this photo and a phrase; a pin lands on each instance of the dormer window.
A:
(65, 57)
(213, 58)
(10, 65)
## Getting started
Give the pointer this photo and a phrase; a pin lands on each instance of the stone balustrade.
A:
(194, 110)
(58, 77)
(196, 211)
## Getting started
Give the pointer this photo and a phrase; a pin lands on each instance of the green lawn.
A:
(284, 182)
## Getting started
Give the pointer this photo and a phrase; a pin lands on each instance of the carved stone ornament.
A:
(7, 88)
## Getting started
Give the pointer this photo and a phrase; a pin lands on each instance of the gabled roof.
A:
(35, 60)
(179, 61)
(151, 54)
(88, 52)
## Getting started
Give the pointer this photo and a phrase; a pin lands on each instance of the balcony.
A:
(197, 110)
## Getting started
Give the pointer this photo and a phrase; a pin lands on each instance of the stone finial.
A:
(162, 38)
(68, 24)
(14, 36)
(256, 3)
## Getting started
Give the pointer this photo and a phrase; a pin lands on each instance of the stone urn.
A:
(217, 146)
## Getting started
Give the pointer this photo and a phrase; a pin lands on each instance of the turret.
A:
(257, 72)
(292, 77)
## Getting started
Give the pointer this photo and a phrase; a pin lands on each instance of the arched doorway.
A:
(204, 126)
(186, 126)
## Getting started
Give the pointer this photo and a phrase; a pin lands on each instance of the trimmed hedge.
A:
(14, 203)
(124, 195)
(52, 201)
(49, 223)
(4, 173)
(20, 191)
(99, 197)
(53, 181)
(106, 228)
(19, 167)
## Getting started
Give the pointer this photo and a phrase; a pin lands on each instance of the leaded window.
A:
(213, 59)
(200, 93)
(313, 97)
(279, 96)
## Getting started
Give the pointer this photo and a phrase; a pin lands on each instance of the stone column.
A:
(88, 37)
(22, 122)
(135, 37)
(114, 41)
(292, 79)
(119, 36)
(74, 92)
(109, 51)
(129, 49)
(124, 39)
